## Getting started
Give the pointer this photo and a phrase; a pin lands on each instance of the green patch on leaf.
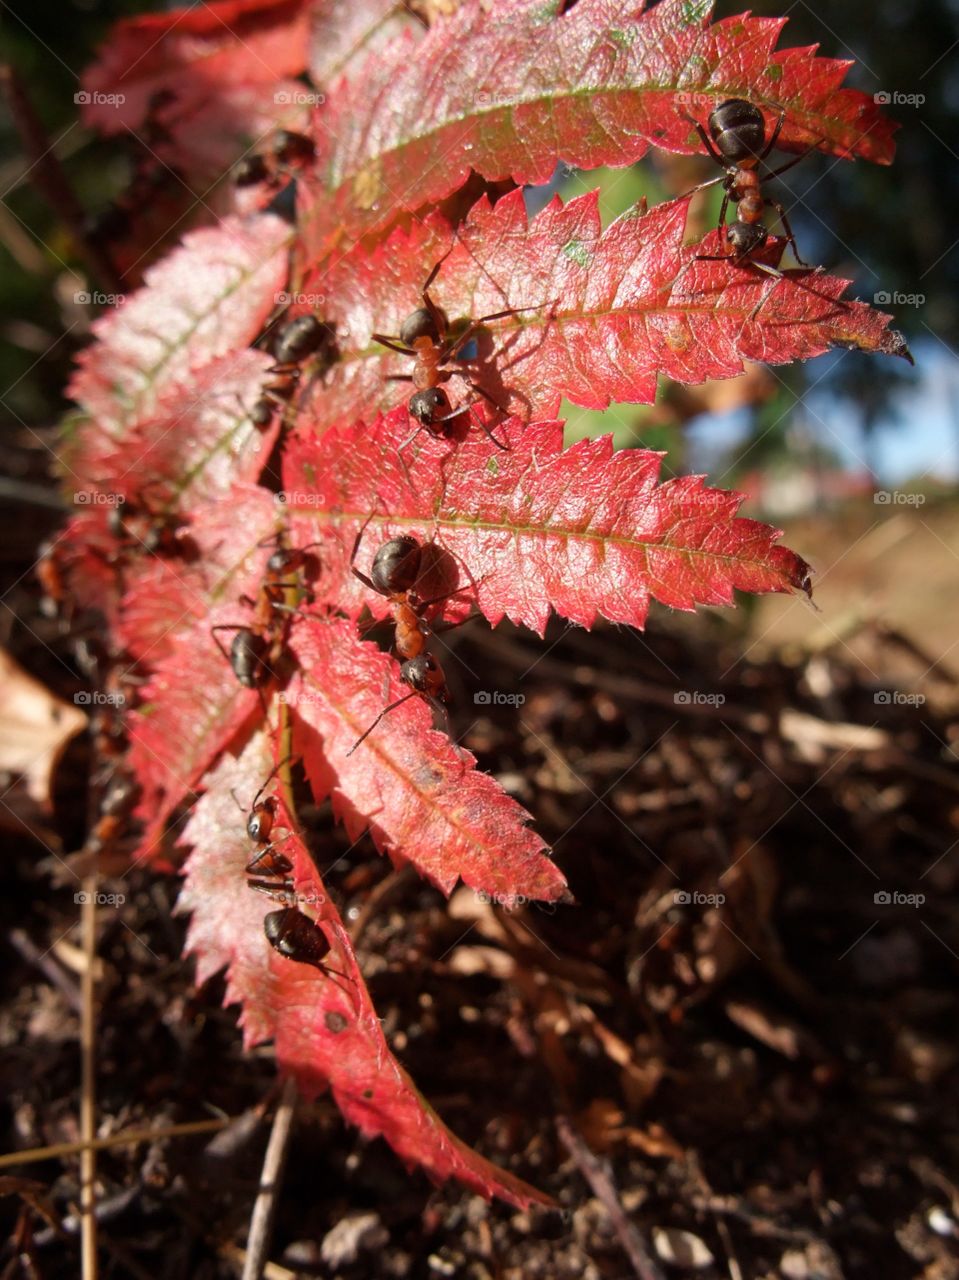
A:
(578, 251)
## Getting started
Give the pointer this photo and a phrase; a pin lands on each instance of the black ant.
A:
(288, 930)
(286, 152)
(737, 142)
(258, 646)
(142, 525)
(293, 342)
(395, 570)
(424, 335)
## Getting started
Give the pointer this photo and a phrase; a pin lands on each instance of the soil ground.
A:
(743, 1031)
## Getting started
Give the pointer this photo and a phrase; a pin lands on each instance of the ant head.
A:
(746, 237)
(428, 406)
(419, 324)
(396, 566)
(416, 672)
(259, 824)
(738, 130)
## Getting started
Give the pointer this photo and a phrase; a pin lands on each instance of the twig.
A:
(21, 942)
(88, 1156)
(129, 1137)
(46, 174)
(387, 886)
(601, 1183)
(261, 1223)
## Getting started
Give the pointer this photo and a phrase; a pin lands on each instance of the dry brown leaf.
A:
(35, 726)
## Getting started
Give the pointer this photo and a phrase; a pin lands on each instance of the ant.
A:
(293, 342)
(288, 930)
(140, 524)
(425, 336)
(395, 570)
(737, 142)
(286, 152)
(259, 645)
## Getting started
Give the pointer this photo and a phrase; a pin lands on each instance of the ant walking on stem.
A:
(288, 930)
(258, 646)
(425, 336)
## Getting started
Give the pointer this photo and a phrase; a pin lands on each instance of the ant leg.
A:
(464, 407)
(791, 239)
(775, 134)
(225, 626)
(450, 350)
(393, 344)
(706, 141)
(720, 225)
(273, 772)
(398, 377)
(367, 582)
(392, 707)
(774, 173)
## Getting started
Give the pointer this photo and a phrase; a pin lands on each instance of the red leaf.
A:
(324, 1034)
(510, 90)
(604, 313)
(420, 795)
(193, 706)
(208, 298)
(201, 82)
(342, 31)
(584, 531)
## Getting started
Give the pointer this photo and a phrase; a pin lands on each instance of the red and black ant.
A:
(285, 152)
(737, 142)
(142, 525)
(424, 335)
(288, 930)
(293, 342)
(258, 646)
(394, 573)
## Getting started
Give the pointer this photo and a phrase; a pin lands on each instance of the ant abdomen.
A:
(738, 130)
(396, 566)
(299, 338)
(419, 324)
(295, 936)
